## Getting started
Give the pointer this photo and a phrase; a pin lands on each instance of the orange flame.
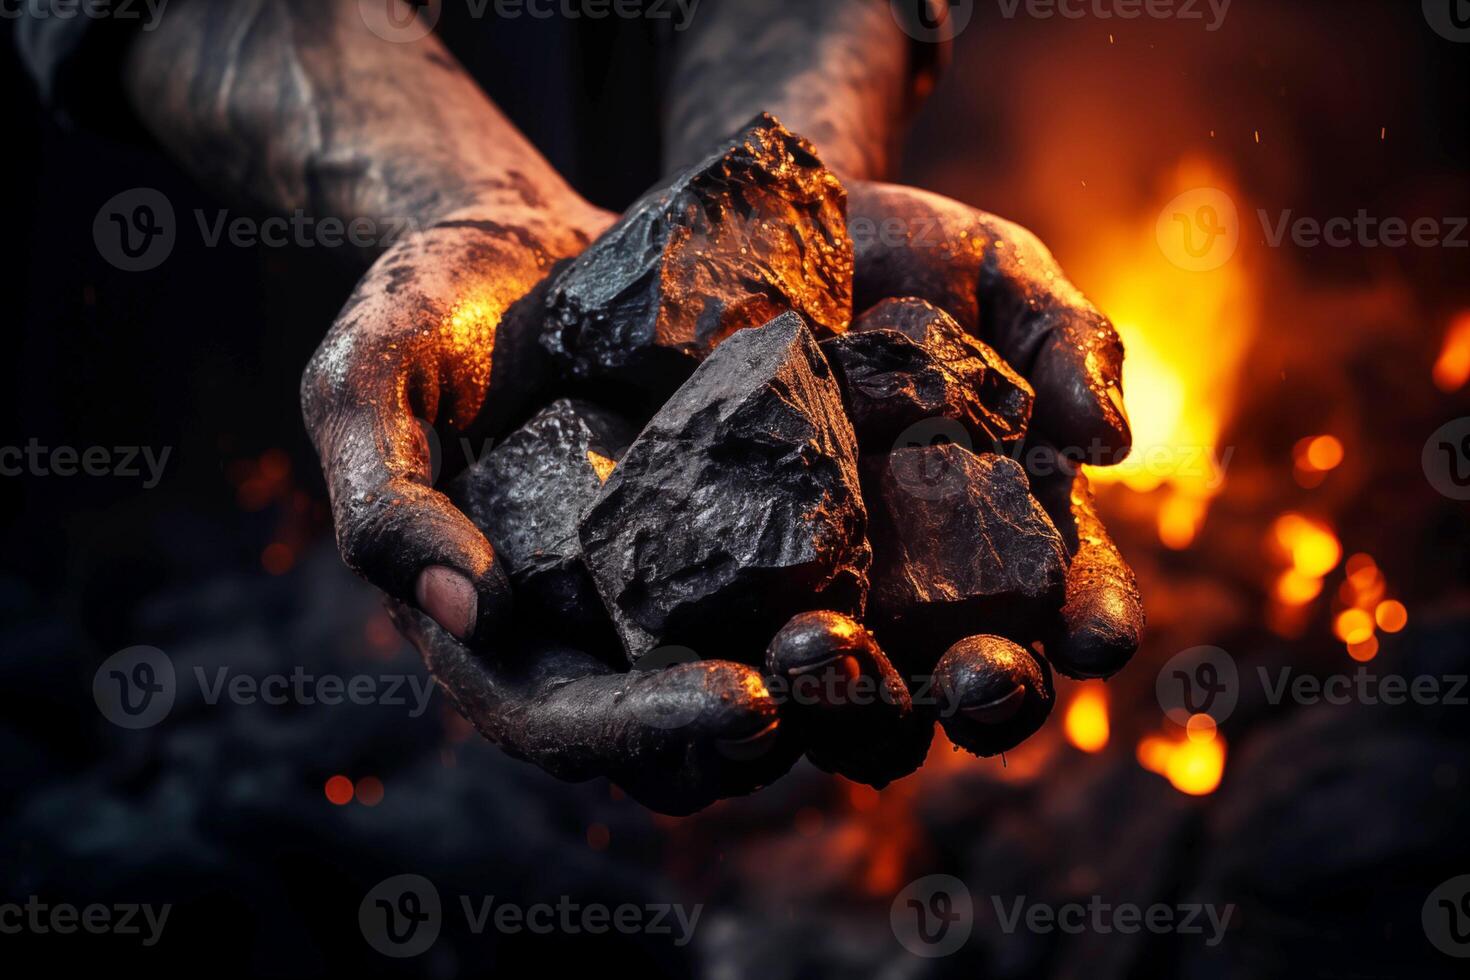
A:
(1185, 333)
(1086, 721)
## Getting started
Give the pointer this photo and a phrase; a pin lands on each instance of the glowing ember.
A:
(1309, 544)
(369, 791)
(1314, 457)
(1391, 616)
(1193, 765)
(1452, 369)
(1353, 626)
(1086, 722)
(339, 790)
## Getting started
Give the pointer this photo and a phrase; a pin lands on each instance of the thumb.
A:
(402, 535)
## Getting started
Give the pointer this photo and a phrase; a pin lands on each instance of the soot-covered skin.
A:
(1102, 617)
(906, 361)
(528, 495)
(995, 694)
(676, 738)
(1002, 284)
(737, 506)
(850, 706)
(754, 229)
(959, 546)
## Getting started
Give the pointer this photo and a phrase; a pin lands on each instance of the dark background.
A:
(1330, 826)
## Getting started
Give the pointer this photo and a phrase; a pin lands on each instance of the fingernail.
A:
(836, 676)
(449, 597)
(750, 746)
(1001, 709)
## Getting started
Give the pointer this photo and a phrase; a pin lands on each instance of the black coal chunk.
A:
(906, 363)
(756, 229)
(959, 547)
(527, 495)
(737, 506)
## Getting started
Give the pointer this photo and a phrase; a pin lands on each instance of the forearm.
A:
(298, 106)
(839, 72)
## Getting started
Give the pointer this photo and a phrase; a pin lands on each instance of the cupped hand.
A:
(1003, 285)
(440, 332)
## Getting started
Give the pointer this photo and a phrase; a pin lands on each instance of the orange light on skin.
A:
(1353, 626)
(1086, 721)
(1364, 651)
(1391, 616)
(339, 790)
(1452, 368)
(369, 791)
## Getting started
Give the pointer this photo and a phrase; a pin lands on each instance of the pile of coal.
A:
(906, 361)
(757, 228)
(737, 506)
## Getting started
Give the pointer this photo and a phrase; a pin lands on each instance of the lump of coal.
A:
(906, 361)
(528, 493)
(754, 230)
(959, 547)
(737, 506)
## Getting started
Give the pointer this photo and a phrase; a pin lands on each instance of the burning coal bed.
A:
(837, 493)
